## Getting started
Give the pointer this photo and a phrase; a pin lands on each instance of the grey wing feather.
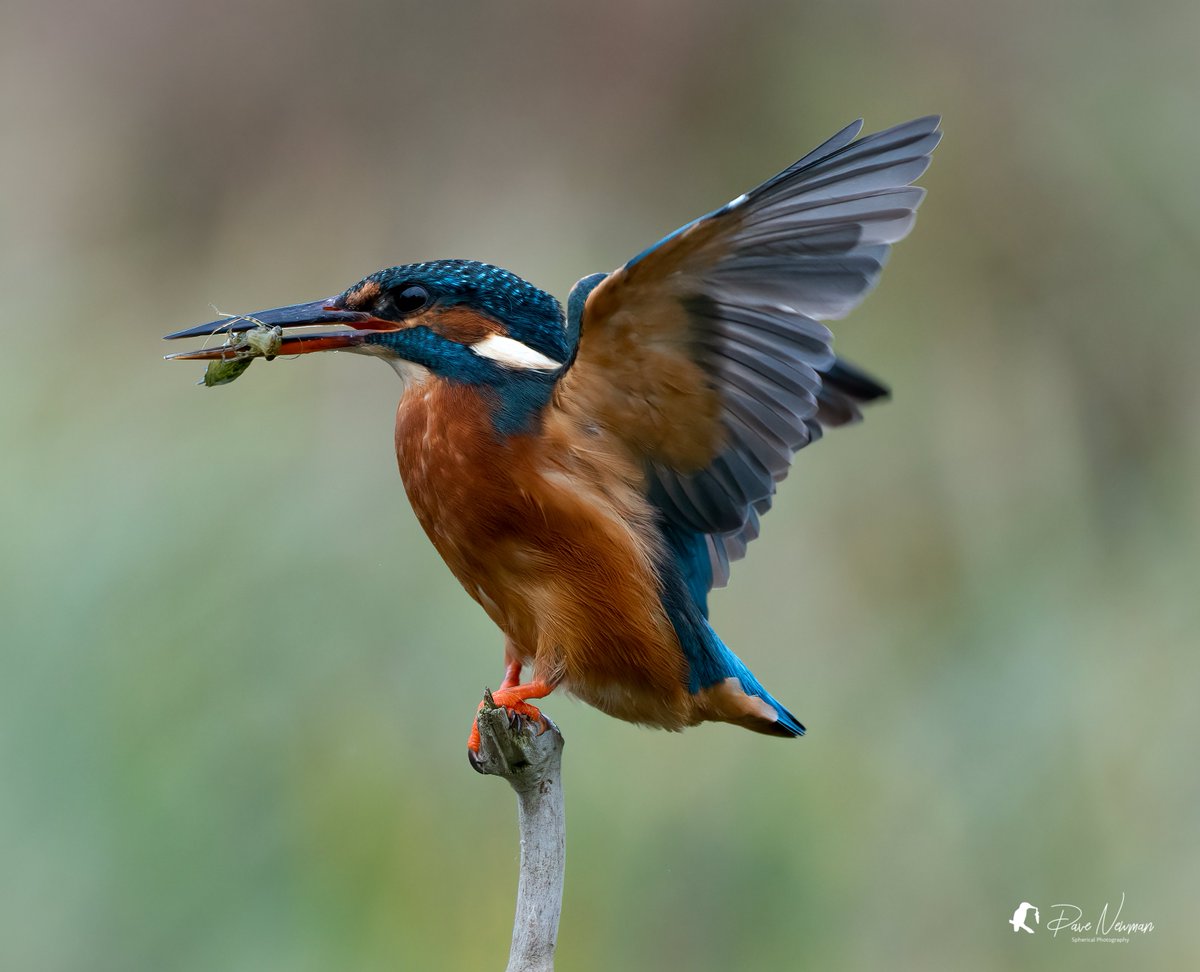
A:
(809, 245)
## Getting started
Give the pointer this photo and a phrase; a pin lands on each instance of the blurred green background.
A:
(236, 677)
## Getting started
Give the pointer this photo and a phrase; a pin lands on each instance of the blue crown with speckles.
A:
(531, 315)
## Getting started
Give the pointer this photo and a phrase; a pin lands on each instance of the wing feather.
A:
(705, 354)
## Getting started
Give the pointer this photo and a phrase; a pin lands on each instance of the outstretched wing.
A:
(705, 354)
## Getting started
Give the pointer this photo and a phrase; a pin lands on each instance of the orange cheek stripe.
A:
(460, 324)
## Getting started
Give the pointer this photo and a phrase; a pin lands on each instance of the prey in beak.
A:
(262, 335)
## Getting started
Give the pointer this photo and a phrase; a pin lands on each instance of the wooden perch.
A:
(532, 764)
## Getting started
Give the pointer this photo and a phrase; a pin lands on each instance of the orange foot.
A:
(512, 675)
(512, 697)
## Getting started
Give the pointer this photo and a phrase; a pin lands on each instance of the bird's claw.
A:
(510, 745)
(516, 723)
(519, 714)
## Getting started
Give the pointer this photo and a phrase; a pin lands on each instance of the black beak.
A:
(314, 313)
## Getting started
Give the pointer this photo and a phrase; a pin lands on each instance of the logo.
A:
(1109, 926)
(1018, 918)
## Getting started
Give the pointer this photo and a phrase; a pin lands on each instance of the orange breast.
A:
(551, 534)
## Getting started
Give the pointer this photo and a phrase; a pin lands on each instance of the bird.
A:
(591, 473)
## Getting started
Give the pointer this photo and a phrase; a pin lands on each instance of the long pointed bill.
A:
(294, 315)
(312, 314)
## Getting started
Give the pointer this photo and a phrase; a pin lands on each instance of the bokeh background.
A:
(237, 679)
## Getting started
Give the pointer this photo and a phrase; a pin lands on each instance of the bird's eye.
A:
(411, 298)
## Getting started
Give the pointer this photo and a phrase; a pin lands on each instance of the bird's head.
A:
(462, 321)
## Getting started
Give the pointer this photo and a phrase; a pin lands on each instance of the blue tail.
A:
(710, 662)
(724, 664)
(787, 724)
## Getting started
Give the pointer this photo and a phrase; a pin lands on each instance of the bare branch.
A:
(532, 764)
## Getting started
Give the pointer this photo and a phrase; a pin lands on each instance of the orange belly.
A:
(550, 533)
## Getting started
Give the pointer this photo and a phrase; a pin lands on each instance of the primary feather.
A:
(705, 353)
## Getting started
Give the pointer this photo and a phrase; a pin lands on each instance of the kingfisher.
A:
(589, 476)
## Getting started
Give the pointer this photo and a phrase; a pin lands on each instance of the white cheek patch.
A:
(514, 354)
(410, 372)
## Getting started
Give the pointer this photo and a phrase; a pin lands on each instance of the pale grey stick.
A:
(532, 764)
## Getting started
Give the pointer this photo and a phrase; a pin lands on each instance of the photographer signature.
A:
(1070, 917)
